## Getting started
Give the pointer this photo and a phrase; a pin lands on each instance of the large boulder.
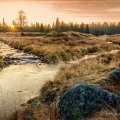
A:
(83, 100)
(115, 75)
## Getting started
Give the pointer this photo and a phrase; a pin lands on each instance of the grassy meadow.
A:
(57, 47)
(64, 47)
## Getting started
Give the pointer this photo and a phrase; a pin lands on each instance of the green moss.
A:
(76, 113)
(35, 103)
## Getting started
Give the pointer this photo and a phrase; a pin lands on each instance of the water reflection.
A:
(19, 83)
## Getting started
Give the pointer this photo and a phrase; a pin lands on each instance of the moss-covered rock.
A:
(83, 100)
(114, 76)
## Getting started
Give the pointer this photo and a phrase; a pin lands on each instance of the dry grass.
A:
(30, 113)
(107, 113)
(77, 72)
(61, 47)
(3, 62)
(89, 71)
(93, 71)
(115, 39)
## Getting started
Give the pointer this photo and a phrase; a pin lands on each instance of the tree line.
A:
(21, 24)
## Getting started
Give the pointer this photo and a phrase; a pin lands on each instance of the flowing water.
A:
(21, 81)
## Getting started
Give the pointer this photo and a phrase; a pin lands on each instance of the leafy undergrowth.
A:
(56, 47)
(91, 71)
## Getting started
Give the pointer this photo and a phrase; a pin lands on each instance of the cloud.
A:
(88, 9)
(103, 9)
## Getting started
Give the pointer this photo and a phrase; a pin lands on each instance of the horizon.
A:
(47, 11)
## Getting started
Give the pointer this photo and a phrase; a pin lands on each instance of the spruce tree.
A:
(82, 28)
(87, 29)
(57, 25)
(41, 28)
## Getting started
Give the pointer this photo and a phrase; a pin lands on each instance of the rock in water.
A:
(115, 75)
(83, 99)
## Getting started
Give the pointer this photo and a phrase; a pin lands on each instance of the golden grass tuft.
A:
(107, 113)
(3, 62)
(30, 113)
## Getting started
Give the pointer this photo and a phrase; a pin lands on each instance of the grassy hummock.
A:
(65, 46)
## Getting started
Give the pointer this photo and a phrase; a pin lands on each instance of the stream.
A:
(22, 80)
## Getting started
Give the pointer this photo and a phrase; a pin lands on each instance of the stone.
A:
(115, 76)
(83, 100)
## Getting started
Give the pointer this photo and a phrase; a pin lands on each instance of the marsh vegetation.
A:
(75, 57)
(61, 70)
(58, 47)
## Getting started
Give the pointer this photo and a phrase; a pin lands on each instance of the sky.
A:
(46, 11)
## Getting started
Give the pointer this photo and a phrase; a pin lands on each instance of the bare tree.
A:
(3, 22)
(21, 20)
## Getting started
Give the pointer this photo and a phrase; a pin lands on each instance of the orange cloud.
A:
(67, 10)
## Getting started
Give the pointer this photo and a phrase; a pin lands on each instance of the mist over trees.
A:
(60, 26)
